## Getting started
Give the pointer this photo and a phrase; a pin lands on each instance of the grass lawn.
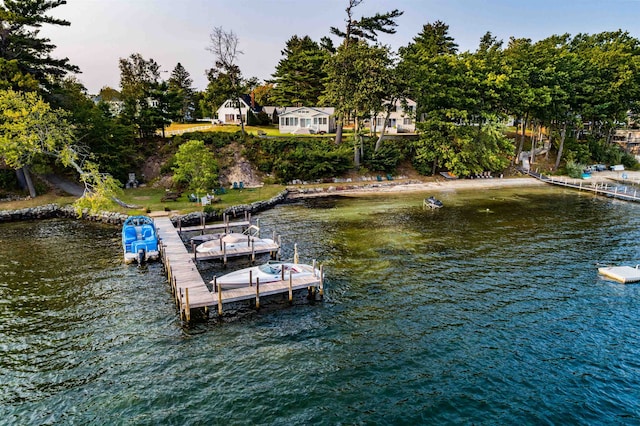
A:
(270, 130)
(150, 198)
(182, 126)
(41, 200)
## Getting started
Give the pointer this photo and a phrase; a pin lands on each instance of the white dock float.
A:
(623, 274)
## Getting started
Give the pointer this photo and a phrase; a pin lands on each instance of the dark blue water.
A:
(488, 311)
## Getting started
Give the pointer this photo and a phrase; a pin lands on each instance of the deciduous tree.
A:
(30, 128)
(226, 75)
(363, 29)
(196, 167)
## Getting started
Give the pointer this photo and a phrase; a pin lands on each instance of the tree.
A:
(138, 77)
(299, 76)
(30, 128)
(226, 73)
(180, 87)
(461, 99)
(196, 167)
(364, 29)
(264, 94)
(20, 23)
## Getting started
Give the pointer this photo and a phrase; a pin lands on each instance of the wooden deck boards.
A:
(215, 226)
(190, 290)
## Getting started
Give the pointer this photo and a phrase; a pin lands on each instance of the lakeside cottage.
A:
(307, 120)
(401, 119)
(228, 113)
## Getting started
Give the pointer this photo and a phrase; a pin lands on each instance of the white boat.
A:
(268, 272)
(217, 242)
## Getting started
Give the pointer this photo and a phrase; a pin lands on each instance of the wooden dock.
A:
(226, 224)
(620, 192)
(189, 289)
(223, 252)
(250, 249)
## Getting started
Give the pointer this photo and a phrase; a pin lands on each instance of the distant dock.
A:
(191, 292)
(620, 191)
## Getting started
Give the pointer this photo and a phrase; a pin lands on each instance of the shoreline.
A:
(412, 186)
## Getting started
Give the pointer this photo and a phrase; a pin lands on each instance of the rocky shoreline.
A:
(52, 211)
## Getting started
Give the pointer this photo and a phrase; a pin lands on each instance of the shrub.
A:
(195, 166)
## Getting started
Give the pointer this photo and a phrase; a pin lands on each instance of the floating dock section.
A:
(623, 274)
(189, 289)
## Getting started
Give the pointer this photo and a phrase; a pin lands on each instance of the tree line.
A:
(577, 88)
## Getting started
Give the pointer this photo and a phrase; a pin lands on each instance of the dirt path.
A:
(65, 185)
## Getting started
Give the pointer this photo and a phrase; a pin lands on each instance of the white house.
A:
(302, 120)
(228, 113)
(401, 120)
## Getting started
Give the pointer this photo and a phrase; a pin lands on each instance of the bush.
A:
(195, 166)
(574, 169)
(304, 158)
(386, 159)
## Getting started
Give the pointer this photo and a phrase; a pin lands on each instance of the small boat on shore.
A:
(432, 203)
(268, 272)
(139, 239)
(232, 240)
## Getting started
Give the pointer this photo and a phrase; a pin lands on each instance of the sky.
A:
(177, 31)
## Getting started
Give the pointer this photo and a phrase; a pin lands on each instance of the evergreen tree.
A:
(299, 76)
(180, 87)
(24, 55)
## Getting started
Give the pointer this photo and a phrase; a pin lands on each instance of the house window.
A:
(379, 121)
(229, 118)
(407, 121)
(289, 121)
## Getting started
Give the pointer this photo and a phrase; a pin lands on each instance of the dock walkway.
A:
(189, 289)
(620, 191)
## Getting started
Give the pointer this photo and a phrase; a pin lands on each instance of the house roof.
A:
(247, 100)
(315, 111)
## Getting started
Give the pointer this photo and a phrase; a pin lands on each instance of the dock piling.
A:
(187, 310)
(219, 291)
(257, 292)
(290, 288)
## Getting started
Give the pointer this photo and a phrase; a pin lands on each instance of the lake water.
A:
(488, 311)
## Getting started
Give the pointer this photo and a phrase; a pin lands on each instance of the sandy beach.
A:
(438, 184)
(362, 188)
